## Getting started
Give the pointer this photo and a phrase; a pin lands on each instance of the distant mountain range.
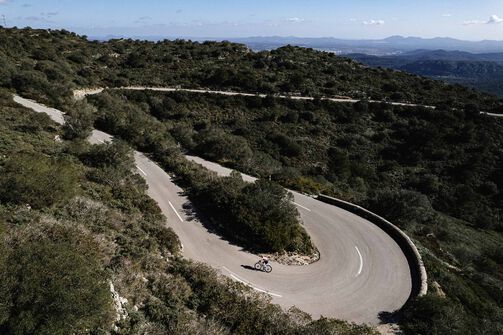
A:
(388, 46)
(481, 71)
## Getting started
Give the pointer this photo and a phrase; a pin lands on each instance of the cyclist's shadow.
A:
(248, 267)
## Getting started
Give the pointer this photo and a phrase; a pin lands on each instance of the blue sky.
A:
(465, 19)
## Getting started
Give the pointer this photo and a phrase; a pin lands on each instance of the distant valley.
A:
(481, 71)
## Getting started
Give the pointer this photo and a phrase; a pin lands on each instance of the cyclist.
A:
(263, 264)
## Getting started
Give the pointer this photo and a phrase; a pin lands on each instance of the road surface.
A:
(361, 273)
(80, 94)
(492, 114)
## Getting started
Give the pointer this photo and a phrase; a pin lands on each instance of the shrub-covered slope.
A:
(83, 249)
(435, 173)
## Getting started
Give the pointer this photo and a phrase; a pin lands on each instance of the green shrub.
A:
(436, 316)
(259, 216)
(402, 207)
(37, 180)
(58, 285)
(79, 120)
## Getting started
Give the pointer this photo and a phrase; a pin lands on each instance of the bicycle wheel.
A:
(258, 266)
(268, 268)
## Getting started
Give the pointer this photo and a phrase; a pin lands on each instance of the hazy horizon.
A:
(285, 37)
(361, 19)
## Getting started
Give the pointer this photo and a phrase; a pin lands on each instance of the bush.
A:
(218, 145)
(436, 316)
(58, 285)
(5, 284)
(402, 207)
(37, 180)
(259, 216)
(79, 120)
(287, 146)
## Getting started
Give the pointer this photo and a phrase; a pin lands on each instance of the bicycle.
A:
(261, 266)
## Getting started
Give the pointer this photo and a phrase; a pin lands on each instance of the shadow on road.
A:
(248, 267)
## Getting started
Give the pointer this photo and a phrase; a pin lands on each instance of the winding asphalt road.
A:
(361, 273)
(80, 94)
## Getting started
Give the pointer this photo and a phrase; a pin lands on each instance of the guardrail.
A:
(417, 269)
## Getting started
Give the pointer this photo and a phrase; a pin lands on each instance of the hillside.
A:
(435, 173)
(84, 250)
(55, 62)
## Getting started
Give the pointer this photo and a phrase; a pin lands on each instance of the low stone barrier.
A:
(417, 269)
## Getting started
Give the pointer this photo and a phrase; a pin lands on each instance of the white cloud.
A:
(494, 19)
(295, 19)
(373, 22)
(447, 15)
(471, 22)
(352, 19)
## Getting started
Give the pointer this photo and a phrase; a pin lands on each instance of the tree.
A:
(79, 120)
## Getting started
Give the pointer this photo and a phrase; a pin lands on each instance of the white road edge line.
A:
(174, 210)
(361, 262)
(296, 204)
(236, 278)
(139, 168)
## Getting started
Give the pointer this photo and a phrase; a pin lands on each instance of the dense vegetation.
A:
(452, 157)
(61, 258)
(257, 216)
(50, 64)
(435, 173)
